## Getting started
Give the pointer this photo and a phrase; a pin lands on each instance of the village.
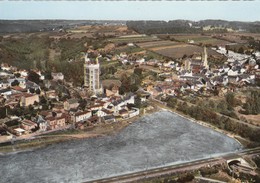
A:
(31, 108)
(48, 112)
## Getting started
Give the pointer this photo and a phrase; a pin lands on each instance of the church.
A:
(197, 63)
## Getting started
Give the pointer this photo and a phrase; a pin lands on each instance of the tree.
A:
(240, 50)
(34, 77)
(38, 91)
(230, 99)
(15, 83)
(17, 75)
(138, 71)
(252, 106)
(43, 100)
(172, 102)
(32, 90)
(2, 112)
(125, 87)
(48, 76)
(138, 102)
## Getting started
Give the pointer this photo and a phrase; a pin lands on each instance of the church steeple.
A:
(205, 58)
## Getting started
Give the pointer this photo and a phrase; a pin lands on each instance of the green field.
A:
(136, 39)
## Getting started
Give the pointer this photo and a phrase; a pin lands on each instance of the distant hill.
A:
(12, 26)
(186, 26)
(143, 27)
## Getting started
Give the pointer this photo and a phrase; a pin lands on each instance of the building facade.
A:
(91, 75)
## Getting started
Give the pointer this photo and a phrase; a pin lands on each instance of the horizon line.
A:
(22, 19)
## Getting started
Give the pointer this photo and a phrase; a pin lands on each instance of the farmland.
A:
(174, 49)
(199, 39)
(179, 51)
(154, 44)
(133, 39)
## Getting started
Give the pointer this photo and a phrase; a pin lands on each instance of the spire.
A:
(205, 58)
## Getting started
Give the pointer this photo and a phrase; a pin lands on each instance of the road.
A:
(166, 170)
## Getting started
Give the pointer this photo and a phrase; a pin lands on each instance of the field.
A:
(174, 49)
(103, 29)
(154, 44)
(183, 49)
(199, 39)
(254, 35)
(133, 39)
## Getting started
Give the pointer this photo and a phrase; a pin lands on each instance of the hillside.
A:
(11, 26)
(186, 26)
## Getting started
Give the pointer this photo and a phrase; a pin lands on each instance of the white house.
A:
(134, 112)
(81, 116)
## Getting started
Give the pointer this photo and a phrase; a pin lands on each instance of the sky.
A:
(130, 10)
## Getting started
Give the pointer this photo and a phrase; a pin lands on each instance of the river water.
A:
(162, 138)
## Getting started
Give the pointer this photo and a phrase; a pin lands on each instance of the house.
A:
(29, 99)
(51, 94)
(109, 119)
(11, 125)
(123, 113)
(6, 92)
(19, 131)
(21, 81)
(18, 89)
(114, 90)
(28, 125)
(6, 74)
(111, 87)
(42, 124)
(56, 122)
(32, 85)
(104, 112)
(57, 76)
(81, 116)
(154, 91)
(93, 120)
(4, 84)
(133, 112)
(23, 73)
(5, 67)
(70, 104)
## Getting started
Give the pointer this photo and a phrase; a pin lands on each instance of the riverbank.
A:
(244, 142)
(101, 129)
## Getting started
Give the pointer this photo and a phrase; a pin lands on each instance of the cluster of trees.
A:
(220, 121)
(162, 27)
(32, 52)
(184, 26)
(252, 105)
(224, 106)
(204, 113)
(131, 83)
(26, 53)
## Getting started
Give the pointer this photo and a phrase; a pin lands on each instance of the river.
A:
(158, 139)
